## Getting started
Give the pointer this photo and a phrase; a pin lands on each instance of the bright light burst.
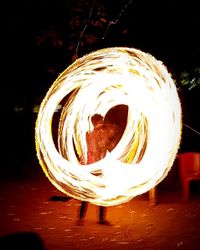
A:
(96, 83)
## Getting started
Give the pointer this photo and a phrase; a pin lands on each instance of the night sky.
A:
(167, 29)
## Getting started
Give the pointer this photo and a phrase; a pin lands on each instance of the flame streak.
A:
(145, 154)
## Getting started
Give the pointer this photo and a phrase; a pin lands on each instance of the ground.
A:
(35, 215)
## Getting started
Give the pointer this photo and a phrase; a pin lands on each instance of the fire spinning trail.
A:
(145, 154)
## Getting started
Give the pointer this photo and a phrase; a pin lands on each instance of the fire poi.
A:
(95, 83)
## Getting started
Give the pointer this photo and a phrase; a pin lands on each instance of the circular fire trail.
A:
(95, 83)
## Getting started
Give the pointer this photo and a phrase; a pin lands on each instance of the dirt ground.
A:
(34, 215)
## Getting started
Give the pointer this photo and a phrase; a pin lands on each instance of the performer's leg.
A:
(102, 215)
(83, 209)
(82, 212)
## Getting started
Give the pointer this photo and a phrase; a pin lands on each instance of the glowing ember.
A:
(96, 83)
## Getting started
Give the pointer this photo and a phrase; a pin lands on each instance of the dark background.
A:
(42, 37)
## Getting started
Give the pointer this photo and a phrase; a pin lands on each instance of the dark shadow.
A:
(59, 198)
(118, 115)
(22, 241)
(194, 189)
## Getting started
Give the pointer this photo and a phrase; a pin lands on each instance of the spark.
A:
(194, 130)
(85, 26)
(113, 22)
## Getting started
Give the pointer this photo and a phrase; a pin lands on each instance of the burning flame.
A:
(145, 154)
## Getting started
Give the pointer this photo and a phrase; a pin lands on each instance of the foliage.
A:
(83, 24)
(191, 78)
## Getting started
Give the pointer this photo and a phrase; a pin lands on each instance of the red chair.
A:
(189, 167)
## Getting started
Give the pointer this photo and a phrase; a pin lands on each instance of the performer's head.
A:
(97, 119)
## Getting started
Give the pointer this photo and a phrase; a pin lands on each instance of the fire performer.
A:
(104, 137)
